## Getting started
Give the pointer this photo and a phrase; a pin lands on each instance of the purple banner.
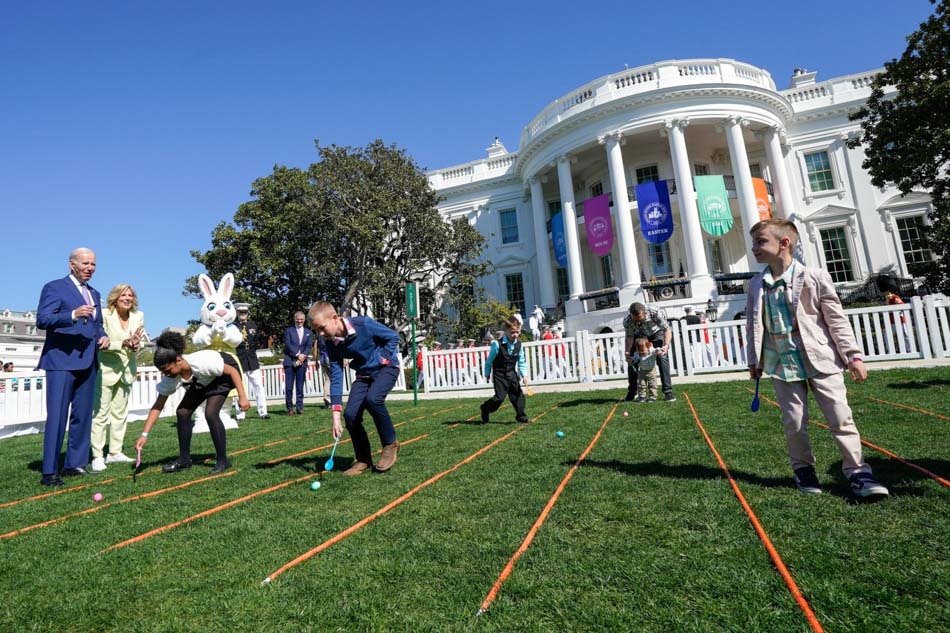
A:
(600, 228)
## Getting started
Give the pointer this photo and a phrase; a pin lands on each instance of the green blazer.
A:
(118, 363)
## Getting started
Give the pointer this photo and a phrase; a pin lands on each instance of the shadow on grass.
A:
(919, 384)
(684, 471)
(899, 479)
(309, 463)
(580, 402)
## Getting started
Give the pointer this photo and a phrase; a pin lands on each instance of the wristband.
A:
(144, 434)
(857, 359)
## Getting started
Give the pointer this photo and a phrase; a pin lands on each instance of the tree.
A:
(354, 229)
(906, 134)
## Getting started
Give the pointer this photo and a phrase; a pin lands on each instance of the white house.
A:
(671, 121)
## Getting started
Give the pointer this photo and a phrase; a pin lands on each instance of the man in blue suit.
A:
(297, 343)
(70, 313)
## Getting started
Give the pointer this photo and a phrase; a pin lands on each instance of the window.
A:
(8, 328)
(701, 170)
(514, 290)
(714, 255)
(650, 173)
(837, 257)
(31, 329)
(596, 189)
(509, 226)
(660, 259)
(607, 270)
(755, 169)
(820, 177)
(911, 231)
(563, 288)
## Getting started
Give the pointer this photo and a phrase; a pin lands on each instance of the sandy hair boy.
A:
(372, 350)
(799, 336)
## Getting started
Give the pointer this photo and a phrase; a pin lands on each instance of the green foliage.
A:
(353, 229)
(906, 136)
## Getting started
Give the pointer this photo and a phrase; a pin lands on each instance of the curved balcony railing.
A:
(658, 76)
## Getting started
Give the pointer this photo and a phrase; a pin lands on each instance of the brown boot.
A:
(388, 458)
(358, 468)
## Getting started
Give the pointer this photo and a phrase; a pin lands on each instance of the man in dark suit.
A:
(70, 312)
(297, 343)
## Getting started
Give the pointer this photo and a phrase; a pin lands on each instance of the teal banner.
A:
(715, 214)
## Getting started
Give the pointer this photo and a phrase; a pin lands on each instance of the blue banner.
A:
(557, 237)
(656, 216)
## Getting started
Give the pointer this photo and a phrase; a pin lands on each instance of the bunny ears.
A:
(208, 289)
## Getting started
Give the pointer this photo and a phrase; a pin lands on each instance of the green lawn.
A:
(647, 535)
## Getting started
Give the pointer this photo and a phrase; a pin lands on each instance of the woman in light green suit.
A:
(125, 326)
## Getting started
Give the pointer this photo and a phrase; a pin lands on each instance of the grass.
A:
(646, 536)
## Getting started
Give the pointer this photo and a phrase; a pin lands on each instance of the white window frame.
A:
(501, 229)
(848, 228)
(829, 149)
(891, 216)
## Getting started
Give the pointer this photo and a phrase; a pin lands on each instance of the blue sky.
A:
(134, 128)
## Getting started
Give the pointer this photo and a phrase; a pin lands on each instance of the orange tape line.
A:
(510, 565)
(904, 406)
(389, 506)
(880, 449)
(773, 553)
(106, 505)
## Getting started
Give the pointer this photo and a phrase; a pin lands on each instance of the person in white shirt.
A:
(208, 376)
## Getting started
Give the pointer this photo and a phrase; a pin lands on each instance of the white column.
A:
(700, 280)
(748, 209)
(627, 246)
(575, 272)
(542, 251)
(781, 186)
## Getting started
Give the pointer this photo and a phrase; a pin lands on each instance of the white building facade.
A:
(672, 121)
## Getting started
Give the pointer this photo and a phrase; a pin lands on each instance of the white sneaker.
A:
(98, 465)
(118, 458)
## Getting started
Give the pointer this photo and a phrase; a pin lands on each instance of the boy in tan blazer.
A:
(799, 336)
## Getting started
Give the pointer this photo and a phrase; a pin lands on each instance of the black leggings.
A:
(186, 424)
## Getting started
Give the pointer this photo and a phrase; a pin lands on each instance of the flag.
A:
(715, 214)
(656, 217)
(762, 198)
(557, 238)
(600, 229)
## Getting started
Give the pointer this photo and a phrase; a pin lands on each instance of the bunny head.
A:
(217, 311)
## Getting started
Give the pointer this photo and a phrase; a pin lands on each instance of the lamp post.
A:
(711, 312)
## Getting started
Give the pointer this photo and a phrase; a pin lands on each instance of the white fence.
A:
(917, 330)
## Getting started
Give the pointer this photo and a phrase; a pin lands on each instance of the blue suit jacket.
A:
(70, 345)
(292, 347)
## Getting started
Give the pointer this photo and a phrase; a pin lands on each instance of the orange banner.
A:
(762, 198)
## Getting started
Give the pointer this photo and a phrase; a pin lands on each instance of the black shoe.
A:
(75, 472)
(484, 416)
(670, 397)
(220, 466)
(265, 417)
(807, 480)
(174, 467)
(523, 419)
(51, 480)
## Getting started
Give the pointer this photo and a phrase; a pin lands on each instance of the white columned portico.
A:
(575, 272)
(629, 268)
(545, 272)
(700, 280)
(781, 186)
(745, 194)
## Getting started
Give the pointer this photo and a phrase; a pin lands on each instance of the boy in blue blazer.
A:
(373, 353)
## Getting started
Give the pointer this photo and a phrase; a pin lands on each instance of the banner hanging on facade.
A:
(656, 215)
(597, 221)
(557, 239)
(715, 214)
(762, 199)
